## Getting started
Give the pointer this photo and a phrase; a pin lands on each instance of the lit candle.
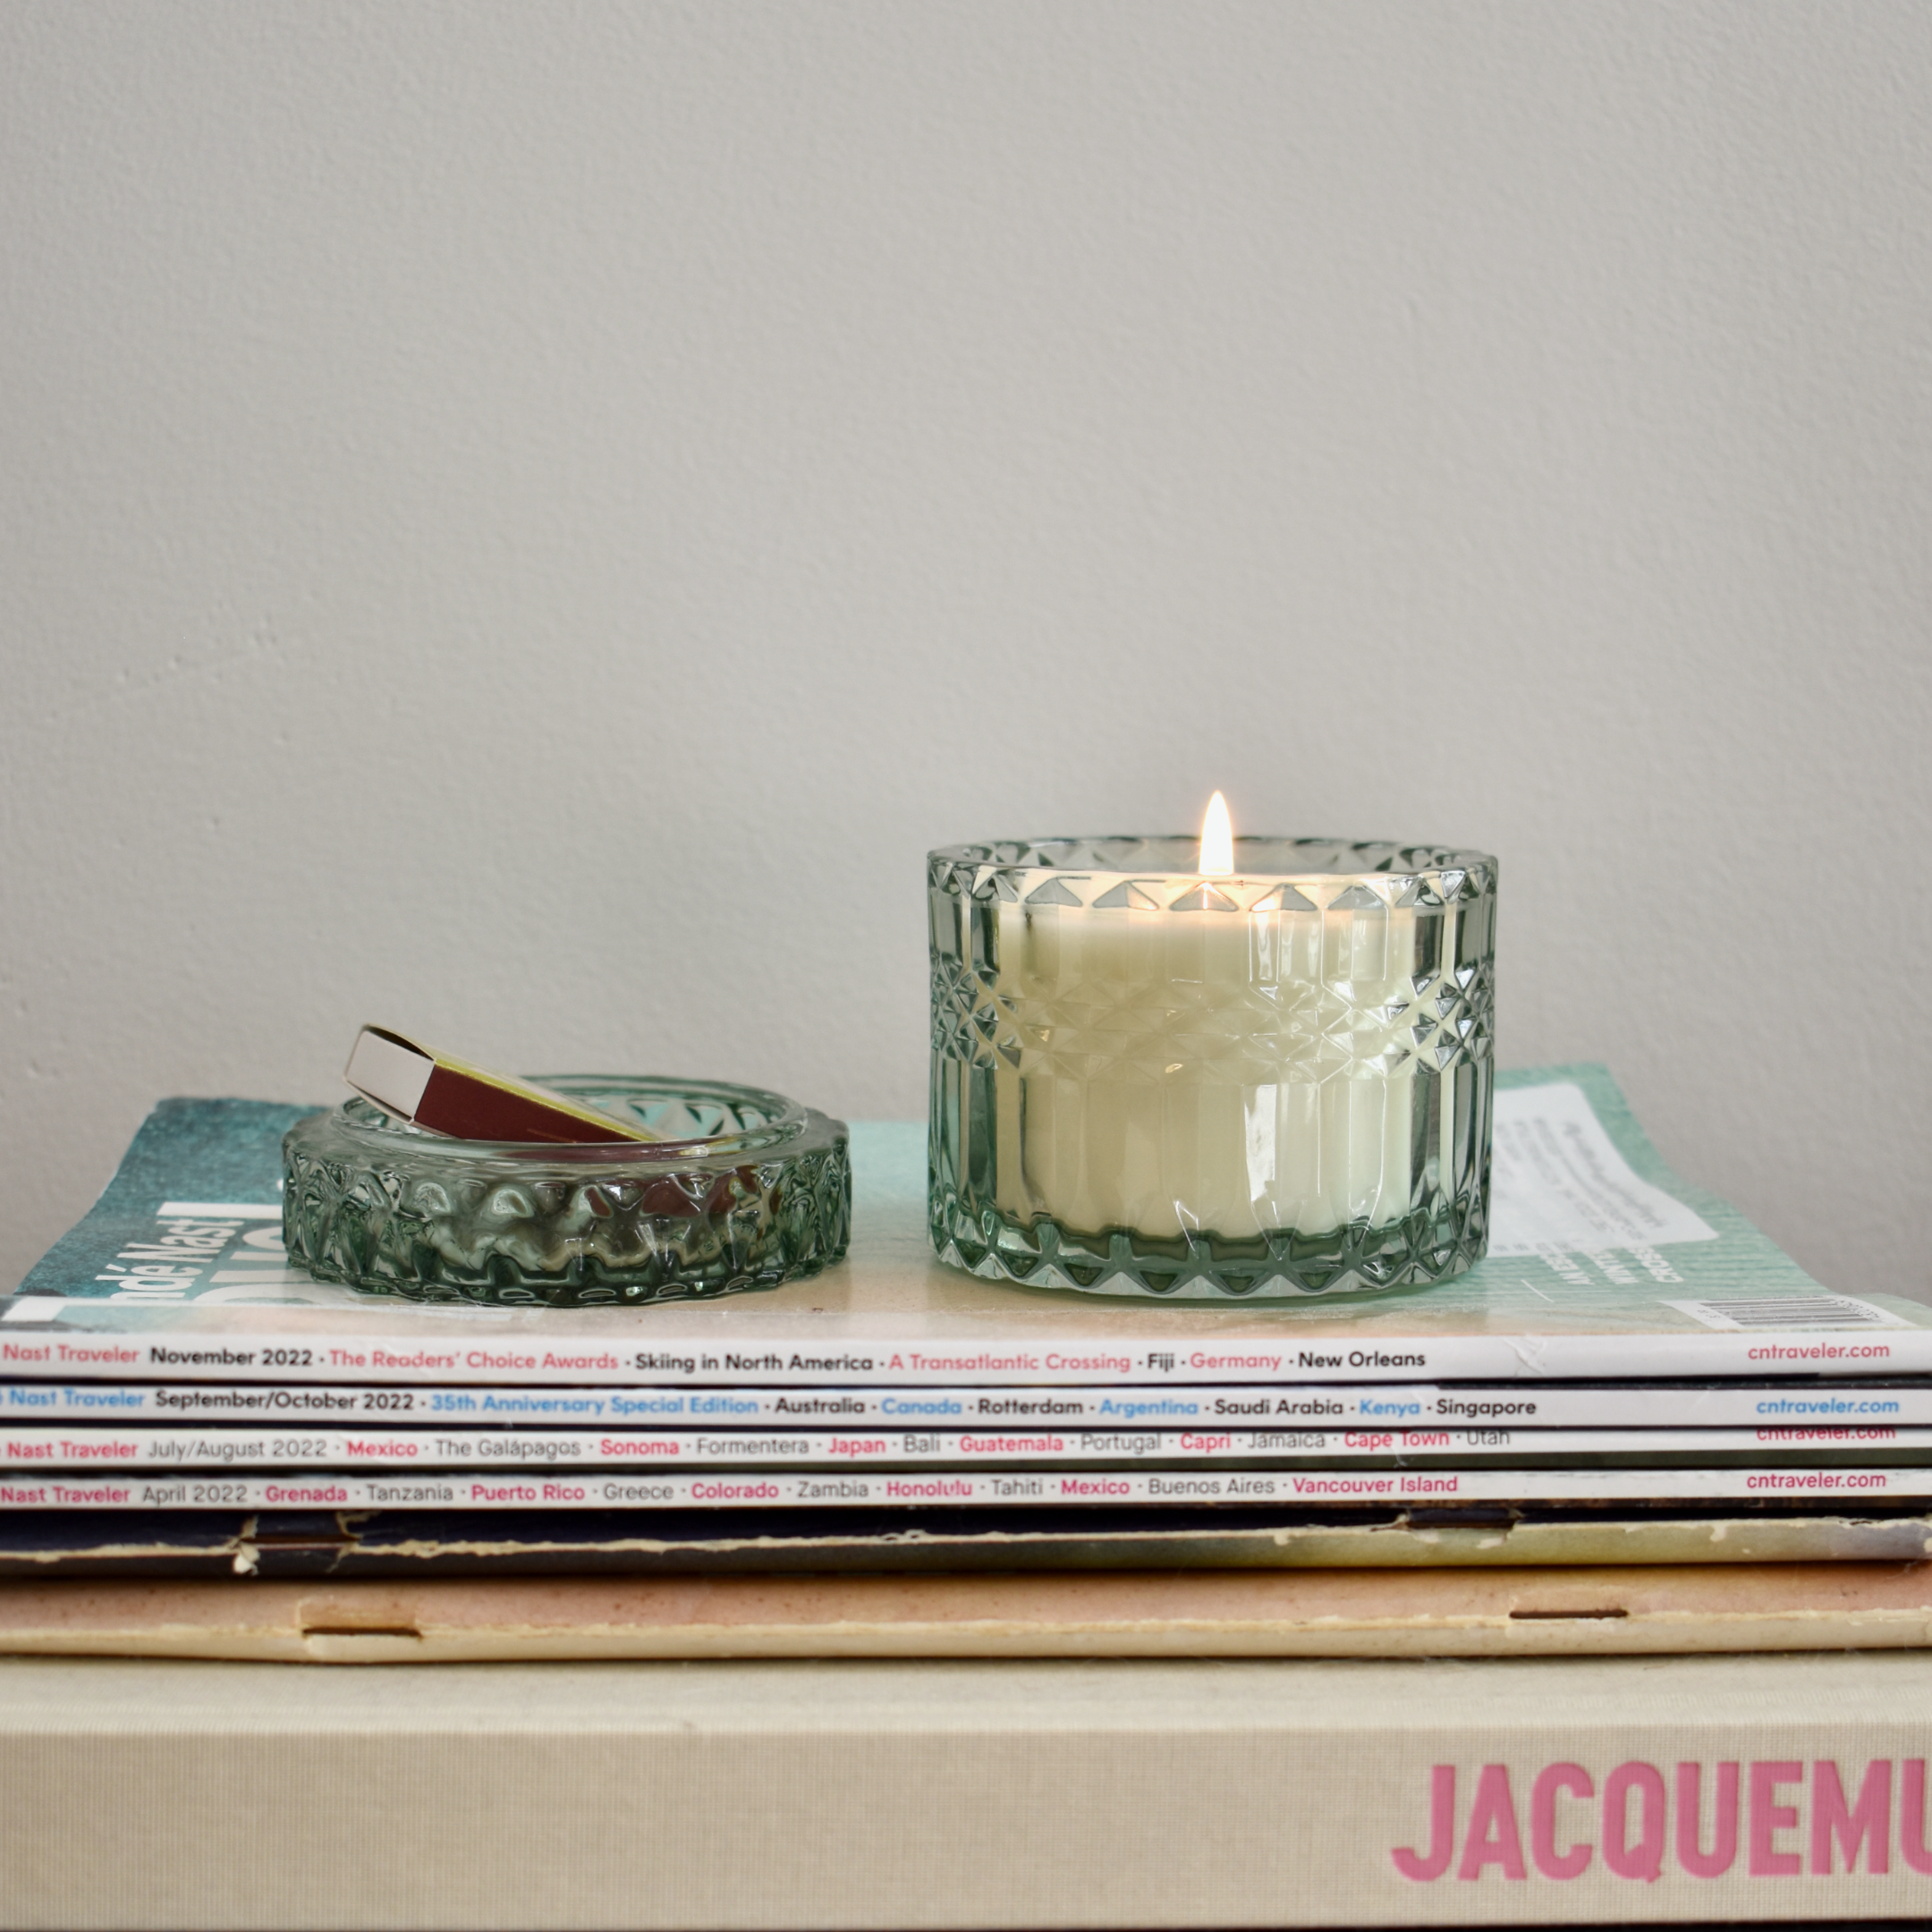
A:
(1265, 1074)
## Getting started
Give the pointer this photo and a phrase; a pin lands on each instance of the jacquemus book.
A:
(1276, 1792)
(1602, 1265)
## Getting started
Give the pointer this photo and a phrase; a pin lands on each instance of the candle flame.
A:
(1216, 840)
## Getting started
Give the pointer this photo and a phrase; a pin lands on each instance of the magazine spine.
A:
(1019, 1487)
(29, 1450)
(77, 1353)
(1382, 1405)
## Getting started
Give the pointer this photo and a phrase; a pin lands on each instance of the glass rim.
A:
(790, 1128)
(1162, 874)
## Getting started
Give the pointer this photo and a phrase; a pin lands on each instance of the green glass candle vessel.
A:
(1264, 1082)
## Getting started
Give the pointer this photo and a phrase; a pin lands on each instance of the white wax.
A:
(1209, 1071)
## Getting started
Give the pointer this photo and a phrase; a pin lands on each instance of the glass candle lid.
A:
(743, 1189)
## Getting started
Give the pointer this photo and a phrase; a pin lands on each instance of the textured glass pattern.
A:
(745, 1189)
(1269, 1085)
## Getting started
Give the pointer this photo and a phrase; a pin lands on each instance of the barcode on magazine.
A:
(1791, 1311)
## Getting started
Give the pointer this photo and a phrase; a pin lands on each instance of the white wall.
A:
(525, 522)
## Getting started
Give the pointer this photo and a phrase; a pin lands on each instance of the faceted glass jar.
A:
(741, 1190)
(1265, 1086)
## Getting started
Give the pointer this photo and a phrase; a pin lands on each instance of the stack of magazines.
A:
(1634, 1374)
